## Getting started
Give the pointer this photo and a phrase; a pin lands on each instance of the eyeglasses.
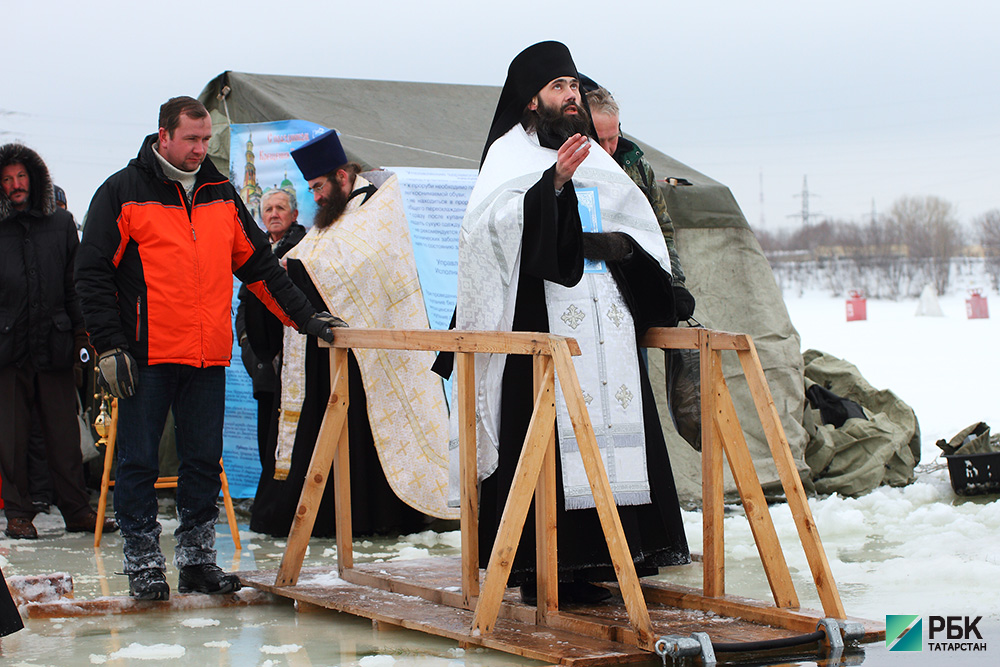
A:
(318, 188)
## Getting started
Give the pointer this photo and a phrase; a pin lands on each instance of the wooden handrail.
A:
(455, 340)
(722, 438)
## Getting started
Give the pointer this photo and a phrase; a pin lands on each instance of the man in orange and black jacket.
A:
(154, 273)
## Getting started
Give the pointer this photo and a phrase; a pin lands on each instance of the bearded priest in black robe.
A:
(558, 238)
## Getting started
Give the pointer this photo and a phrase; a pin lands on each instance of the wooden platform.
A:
(425, 595)
(457, 599)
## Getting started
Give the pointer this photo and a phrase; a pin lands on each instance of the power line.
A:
(805, 215)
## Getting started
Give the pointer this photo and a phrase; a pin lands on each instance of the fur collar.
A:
(41, 198)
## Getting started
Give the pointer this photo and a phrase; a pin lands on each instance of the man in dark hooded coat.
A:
(41, 335)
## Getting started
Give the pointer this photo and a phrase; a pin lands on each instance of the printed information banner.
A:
(239, 434)
(589, 205)
(259, 160)
(435, 201)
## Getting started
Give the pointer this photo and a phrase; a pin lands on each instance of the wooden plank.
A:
(327, 441)
(688, 339)
(518, 500)
(465, 379)
(752, 496)
(673, 609)
(607, 511)
(755, 611)
(511, 636)
(547, 566)
(454, 340)
(795, 495)
(712, 503)
(722, 340)
(123, 604)
(39, 587)
(672, 338)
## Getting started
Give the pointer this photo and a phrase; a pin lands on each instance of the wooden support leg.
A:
(712, 502)
(730, 434)
(545, 510)
(540, 430)
(227, 500)
(607, 511)
(332, 437)
(465, 379)
(109, 461)
(794, 492)
(341, 488)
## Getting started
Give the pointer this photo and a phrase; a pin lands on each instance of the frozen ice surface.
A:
(914, 550)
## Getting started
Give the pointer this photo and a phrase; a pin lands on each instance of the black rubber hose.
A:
(768, 644)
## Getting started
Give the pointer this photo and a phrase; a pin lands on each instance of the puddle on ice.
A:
(225, 636)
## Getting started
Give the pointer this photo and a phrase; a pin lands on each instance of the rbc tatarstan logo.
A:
(904, 632)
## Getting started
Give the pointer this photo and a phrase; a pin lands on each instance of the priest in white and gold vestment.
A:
(357, 261)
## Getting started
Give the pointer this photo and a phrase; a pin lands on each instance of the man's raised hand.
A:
(573, 152)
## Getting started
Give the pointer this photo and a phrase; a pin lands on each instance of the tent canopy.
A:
(407, 124)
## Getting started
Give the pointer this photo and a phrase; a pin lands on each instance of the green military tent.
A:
(407, 124)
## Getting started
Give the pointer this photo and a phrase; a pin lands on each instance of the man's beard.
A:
(331, 208)
(555, 126)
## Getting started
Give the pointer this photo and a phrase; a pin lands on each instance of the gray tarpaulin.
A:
(388, 123)
(863, 453)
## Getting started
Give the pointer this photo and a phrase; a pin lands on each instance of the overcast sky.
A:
(870, 100)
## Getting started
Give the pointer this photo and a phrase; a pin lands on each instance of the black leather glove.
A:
(683, 303)
(322, 325)
(117, 373)
(606, 246)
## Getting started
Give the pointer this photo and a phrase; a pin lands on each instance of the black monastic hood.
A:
(41, 195)
(528, 73)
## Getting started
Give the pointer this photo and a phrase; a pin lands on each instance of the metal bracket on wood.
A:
(839, 632)
(677, 646)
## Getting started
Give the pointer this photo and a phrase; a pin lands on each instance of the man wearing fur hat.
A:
(41, 335)
(529, 260)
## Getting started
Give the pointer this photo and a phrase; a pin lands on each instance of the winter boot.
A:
(207, 578)
(148, 584)
(21, 529)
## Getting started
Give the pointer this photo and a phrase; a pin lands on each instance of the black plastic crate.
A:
(974, 474)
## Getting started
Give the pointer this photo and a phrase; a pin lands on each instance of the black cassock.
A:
(375, 508)
(552, 249)
(10, 617)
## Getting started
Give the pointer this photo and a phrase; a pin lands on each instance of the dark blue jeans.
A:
(198, 397)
